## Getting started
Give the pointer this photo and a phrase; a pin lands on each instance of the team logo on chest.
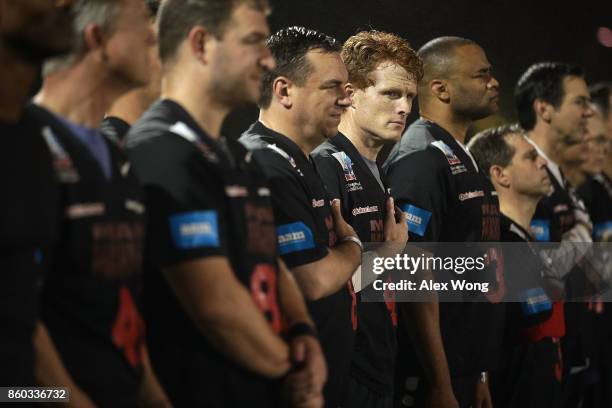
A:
(455, 164)
(349, 173)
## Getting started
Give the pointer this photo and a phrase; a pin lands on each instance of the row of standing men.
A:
(248, 292)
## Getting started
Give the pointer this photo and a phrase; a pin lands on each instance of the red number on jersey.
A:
(128, 330)
(263, 290)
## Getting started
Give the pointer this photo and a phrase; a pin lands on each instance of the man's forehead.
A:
(388, 72)
(575, 86)
(326, 63)
(470, 57)
(247, 19)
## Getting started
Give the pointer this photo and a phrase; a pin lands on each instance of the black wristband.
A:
(301, 329)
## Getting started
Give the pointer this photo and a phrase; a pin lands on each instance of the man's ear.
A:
(439, 88)
(543, 110)
(282, 90)
(93, 37)
(350, 91)
(499, 176)
(198, 40)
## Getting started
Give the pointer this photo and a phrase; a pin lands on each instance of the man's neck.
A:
(544, 136)
(455, 125)
(81, 94)
(519, 208)
(131, 106)
(365, 143)
(287, 127)
(16, 79)
(203, 107)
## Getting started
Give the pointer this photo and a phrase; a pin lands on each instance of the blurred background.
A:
(514, 34)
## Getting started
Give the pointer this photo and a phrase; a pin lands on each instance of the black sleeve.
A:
(184, 200)
(300, 241)
(418, 186)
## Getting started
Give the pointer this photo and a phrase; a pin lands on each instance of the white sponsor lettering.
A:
(85, 210)
(196, 228)
(291, 236)
(318, 203)
(135, 206)
(414, 218)
(263, 192)
(236, 191)
(471, 194)
(365, 210)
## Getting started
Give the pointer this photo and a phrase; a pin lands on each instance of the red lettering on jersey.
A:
(263, 291)
(117, 248)
(377, 231)
(490, 223)
(261, 233)
(128, 329)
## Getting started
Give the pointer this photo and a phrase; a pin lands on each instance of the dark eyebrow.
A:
(532, 153)
(331, 82)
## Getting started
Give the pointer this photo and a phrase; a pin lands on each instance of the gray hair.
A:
(102, 13)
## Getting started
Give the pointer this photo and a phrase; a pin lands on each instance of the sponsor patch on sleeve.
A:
(294, 237)
(417, 219)
(602, 231)
(195, 229)
(541, 229)
(534, 301)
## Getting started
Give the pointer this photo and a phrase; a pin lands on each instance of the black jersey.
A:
(530, 370)
(28, 228)
(91, 296)
(304, 227)
(596, 193)
(115, 129)
(203, 199)
(347, 177)
(437, 183)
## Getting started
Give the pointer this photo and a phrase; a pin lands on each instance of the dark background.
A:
(514, 34)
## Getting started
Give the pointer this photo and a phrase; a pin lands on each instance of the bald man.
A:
(434, 178)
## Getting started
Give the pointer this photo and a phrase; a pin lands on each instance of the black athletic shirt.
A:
(91, 296)
(304, 227)
(347, 176)
(115, 129)
(28, 228)
(203, 199)
(436, 182)
(596, 193)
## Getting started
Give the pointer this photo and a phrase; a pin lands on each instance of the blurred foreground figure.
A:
(126, 110)
(226, 323)
(94, 337)
(30, 32)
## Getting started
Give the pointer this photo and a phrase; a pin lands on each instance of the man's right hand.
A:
(341, 227)
(396, 227)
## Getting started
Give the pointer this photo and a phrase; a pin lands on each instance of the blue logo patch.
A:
(195, 229)
(294, 237)
(541, 230)
(534, 301)
(602, 231)
(417, 219)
